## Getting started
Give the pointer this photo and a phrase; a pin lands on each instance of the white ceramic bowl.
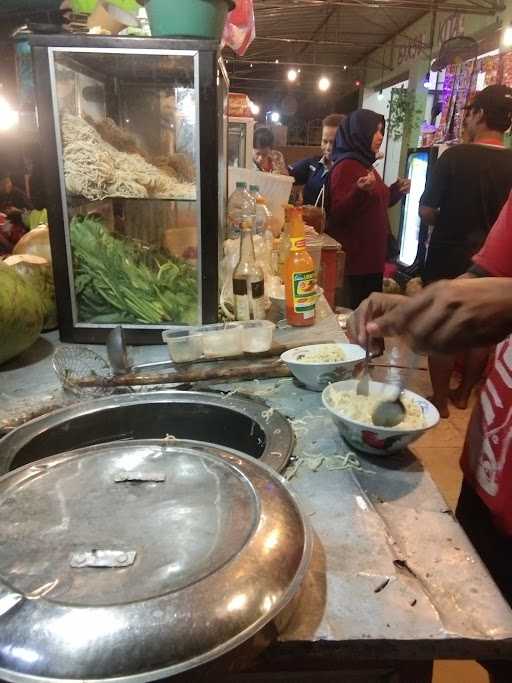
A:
(316, 376)
(377, 440)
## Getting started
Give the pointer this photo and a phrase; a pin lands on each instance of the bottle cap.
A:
(240, 184)
(254, 188)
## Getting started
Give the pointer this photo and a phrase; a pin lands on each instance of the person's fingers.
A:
(396, 320)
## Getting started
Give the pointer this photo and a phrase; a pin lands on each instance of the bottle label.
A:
(297, 243)
(249, 305)
(304, 293)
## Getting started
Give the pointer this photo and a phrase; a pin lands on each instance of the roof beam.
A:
(344, 43)
(489, 9)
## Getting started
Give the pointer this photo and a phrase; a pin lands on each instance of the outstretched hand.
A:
(449, 316)
(367, 182)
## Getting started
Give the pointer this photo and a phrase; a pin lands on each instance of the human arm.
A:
(428, 215)
(437, 186)
(450, 316)
(397, 191)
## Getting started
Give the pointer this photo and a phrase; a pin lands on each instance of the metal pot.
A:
(240, 423)
(139, 560)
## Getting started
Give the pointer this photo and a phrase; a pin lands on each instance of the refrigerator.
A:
(413, 234)
(240, 149)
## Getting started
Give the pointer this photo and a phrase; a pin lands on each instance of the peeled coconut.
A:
(35, 242)
(37, 271)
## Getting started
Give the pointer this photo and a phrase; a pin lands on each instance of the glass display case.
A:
(134, 137)
(240, 147)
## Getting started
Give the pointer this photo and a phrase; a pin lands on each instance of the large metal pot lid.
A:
(142, 559)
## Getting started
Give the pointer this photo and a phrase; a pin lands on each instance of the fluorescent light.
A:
(292, 75)
(275, 117)
(380, 96)
(254, 108)
(507, 37)
(324, 84)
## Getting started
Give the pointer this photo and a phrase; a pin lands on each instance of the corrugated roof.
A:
(335, 33)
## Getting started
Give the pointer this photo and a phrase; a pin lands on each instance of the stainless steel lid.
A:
(138, 560)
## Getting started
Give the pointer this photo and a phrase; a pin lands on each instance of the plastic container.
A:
(222, 340)
(193, 18)
(257, 336)
(183, 346)
(263, 217)
(275, 188)
(241, 206)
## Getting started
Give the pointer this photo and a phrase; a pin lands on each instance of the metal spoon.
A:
(363, 386)
(391, 411)
(118, 355)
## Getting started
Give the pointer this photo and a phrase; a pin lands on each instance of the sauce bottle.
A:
(248, 280)
(299, 276)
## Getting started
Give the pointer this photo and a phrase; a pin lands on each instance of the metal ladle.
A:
(117, 353)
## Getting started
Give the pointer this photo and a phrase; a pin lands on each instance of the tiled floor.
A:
(439, 450)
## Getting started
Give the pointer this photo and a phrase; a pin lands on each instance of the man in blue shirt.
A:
(313, 172)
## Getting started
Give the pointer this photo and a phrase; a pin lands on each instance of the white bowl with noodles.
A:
(311, 366)
(353, 418)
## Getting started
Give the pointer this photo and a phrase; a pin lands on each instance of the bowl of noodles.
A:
(318, 365)
(352, 415)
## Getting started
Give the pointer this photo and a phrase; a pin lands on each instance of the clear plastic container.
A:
(183, 346)
(241, 207)
(257, 336)
(221, 340)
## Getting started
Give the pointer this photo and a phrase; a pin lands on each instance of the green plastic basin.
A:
(191, 19)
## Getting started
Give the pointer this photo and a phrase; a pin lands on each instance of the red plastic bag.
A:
(240, 27)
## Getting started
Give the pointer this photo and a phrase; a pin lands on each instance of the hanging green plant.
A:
(403, 113)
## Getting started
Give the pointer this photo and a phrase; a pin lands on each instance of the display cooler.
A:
(240, 142)
(134, 137)
(413, 234)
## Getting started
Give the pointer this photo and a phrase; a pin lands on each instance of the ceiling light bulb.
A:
(380, 96)
(345, 67)
(293, 74)
(277, 61)
(324, 84)
(275, 117)
(255, 109)
(9, 118)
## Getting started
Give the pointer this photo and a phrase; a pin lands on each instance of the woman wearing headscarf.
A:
(358, 202)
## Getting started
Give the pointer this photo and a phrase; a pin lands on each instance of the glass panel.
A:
(236, 144)
(128, 145)
(417, 174)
